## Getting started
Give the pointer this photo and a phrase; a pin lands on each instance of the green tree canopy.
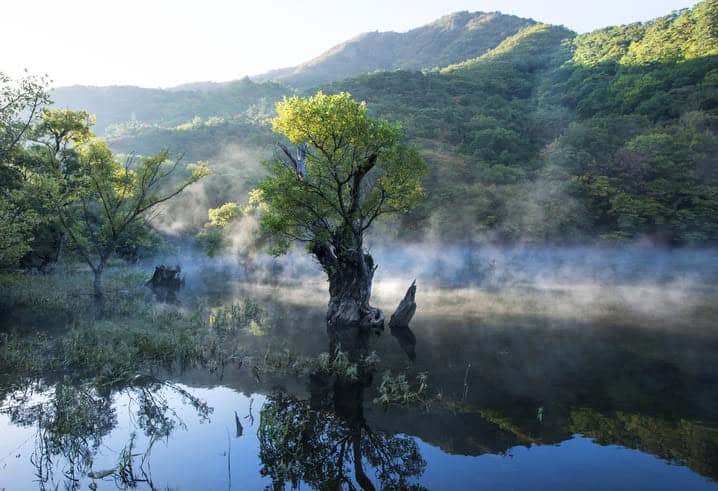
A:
(20, 103)
(356, 169)
(213, 235)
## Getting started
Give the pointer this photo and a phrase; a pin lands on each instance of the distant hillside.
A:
(451, 39)
(116, 105)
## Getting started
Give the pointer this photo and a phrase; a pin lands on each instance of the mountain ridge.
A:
(445, 41)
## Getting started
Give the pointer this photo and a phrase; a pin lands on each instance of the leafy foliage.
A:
(558, 137)
(63, 183)
(20, 104)
(212, 237)
(356, 169)
(106, 198)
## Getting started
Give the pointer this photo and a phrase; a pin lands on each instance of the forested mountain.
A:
(119, 105)
(450, 39)
(531, 132)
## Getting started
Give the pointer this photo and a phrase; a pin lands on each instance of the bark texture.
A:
(399, 323)
(350, 271)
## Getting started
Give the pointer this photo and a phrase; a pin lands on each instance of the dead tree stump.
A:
(399, 323)
(406, 309)
(166, 282)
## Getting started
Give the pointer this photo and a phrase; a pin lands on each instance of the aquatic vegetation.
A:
(396, 389)
(248, 314)
(67, 297)
(111, 343)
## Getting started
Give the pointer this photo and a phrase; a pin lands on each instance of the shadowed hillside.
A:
(137, 107)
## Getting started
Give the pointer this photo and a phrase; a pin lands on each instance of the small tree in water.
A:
(349, 169)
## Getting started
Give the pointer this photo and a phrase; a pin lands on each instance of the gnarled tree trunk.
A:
(350, 272)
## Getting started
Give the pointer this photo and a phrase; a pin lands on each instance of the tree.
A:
(51, 153)
(324, 439)
(213, 235)
(17, 223)
(323, 446)
(20, 102)
(349, 170)
(101, 205)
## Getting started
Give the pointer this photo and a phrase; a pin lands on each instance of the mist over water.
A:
(501, 267)
(646, 286)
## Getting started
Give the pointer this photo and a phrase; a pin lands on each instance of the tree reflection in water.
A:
(73, 419)
(325, 441)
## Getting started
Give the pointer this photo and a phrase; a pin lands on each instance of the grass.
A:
(111, 343)
(126, 343)
(125, 338)
(113, 352)
(56, 330)
(65, 298)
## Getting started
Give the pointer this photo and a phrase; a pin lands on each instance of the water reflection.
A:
(406, 338)
(508, 399)
(72, 421)
(325, 440)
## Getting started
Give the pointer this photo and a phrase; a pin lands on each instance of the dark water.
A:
(545, 383)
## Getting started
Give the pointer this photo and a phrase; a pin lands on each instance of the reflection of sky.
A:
(576, 464)
(16, 445)
(196, 458)
(191, 459)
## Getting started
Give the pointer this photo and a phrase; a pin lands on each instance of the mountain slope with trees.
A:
(552, 136)
(544, 136)
(137, 106)
(450, 39)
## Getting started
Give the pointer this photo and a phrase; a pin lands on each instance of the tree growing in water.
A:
(349, 170)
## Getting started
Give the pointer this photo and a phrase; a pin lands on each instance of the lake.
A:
(524, 368)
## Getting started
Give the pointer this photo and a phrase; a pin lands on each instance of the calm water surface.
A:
(536, 380)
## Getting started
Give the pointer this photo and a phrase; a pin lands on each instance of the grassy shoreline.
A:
(50, 325)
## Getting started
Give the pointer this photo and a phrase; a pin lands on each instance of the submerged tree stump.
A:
(166, 282)
(399, 323)
(406, 309)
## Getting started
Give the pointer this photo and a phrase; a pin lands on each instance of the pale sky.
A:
(161, 43)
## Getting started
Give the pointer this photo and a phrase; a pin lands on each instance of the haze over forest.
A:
(532, 133)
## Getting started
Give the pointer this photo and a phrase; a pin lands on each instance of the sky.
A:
(162, 43)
